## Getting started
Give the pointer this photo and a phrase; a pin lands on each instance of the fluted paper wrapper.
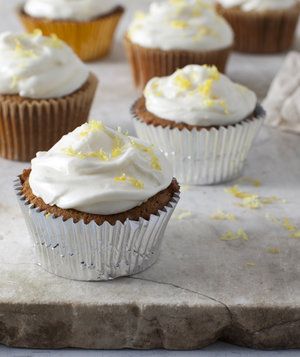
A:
(28, 125)
(262, 32)
(91, 252)
(91, 40)
(204, 157)
(147, 63)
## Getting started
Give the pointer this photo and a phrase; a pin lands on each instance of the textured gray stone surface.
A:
(203, 288)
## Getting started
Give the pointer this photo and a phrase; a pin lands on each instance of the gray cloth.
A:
(283, 100)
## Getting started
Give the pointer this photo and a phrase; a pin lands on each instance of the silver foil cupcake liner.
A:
(92, 252)
(204, 157)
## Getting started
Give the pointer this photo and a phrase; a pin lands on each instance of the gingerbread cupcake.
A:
(97, 204)
(88, 26)
(204, 122)
(261, 26)
(45, 91)
(174, 34)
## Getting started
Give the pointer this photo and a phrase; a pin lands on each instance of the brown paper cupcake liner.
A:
(147, 63)
(91, 40)
(266, 32)
(31, 125)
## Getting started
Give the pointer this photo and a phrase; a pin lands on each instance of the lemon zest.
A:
(223, 216)
(273, 250)
(179, 24)
(133, 181)
(155, 164)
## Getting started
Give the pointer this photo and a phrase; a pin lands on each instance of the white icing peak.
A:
(259, 5)
(199, 95)
(35, 66)
(181, 24)
(97, 170)
(80, 10)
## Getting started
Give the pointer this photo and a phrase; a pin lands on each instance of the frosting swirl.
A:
(259, 5)
(181, 24)
(97, 170)
(80, 10)
(35, 66)
(199, 95)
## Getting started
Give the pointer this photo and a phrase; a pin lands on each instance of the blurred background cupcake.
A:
(261, 26)
(88, 26)
(97, 204)
(45, 92)
(203, 122)
(175, 33)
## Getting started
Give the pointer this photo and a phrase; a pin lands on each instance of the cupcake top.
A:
(258, 5)
(199, 95)
(97, 170)
(79, 10)
(35, 66)
(181, 25)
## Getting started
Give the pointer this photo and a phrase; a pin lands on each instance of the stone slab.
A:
(202, 288)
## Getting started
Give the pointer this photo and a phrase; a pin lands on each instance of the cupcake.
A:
(97, 204)
(203, 122)
(45, 92)
(261, 26)
(176, 33)
(88, 26)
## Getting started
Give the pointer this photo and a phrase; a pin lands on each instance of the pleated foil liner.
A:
(262, 32)
(28, 125)
(204, 157)
(91, 40)
(90, 252)
(147, 63)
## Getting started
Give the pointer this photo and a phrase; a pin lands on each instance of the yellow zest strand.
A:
(273, 250)
(155, 164)
(223, 216)
(133, 181)
(182, 82)
(240, 234)
(93, 127)
(179, 24)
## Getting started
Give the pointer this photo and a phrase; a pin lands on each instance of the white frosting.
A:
(35, 66)
(199, 95)
(79, 10)
(181, 24)
(97, 170)
(259, 5)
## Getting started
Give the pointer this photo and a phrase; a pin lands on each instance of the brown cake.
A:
(151, 206)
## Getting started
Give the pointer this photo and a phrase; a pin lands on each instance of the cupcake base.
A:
(31, 125)
(147, 63)
(201, 156)
(92, 252)
(262, 32)
(91, 40)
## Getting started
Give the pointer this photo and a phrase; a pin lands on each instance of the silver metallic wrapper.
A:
(91, 252)
(204, 157)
